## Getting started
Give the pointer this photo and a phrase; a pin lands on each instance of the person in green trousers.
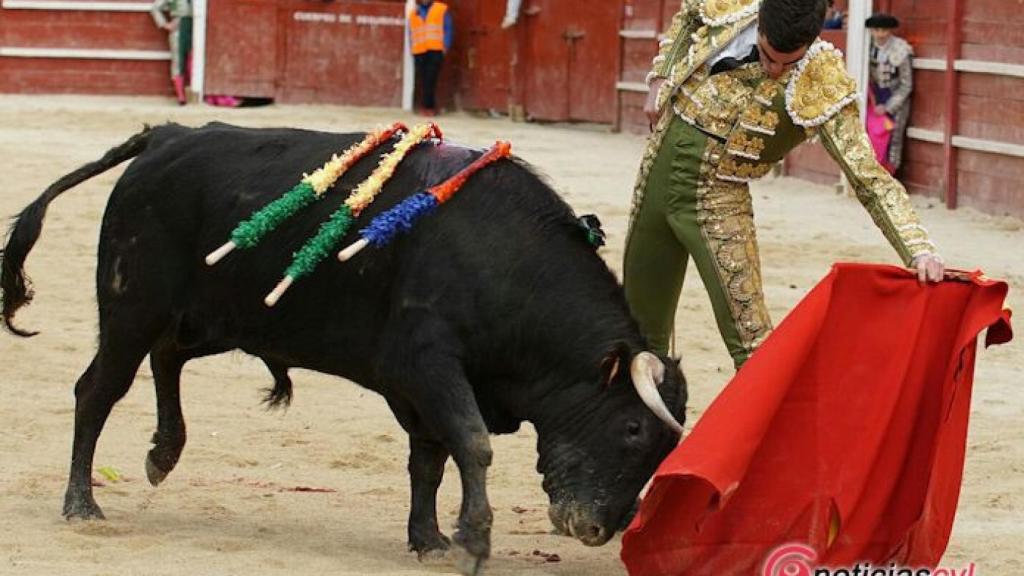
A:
(736, 85)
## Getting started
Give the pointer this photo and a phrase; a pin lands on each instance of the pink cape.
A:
(879, 128)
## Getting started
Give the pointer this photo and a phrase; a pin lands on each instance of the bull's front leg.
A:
(449, 412)
(426, 469)
(434, 383)
(475, 516)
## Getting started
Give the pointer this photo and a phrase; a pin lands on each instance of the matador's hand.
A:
(651, 106)
(930, 268)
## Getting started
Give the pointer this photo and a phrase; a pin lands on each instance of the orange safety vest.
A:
(428, 34)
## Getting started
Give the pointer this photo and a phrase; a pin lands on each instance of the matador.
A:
(736, 85)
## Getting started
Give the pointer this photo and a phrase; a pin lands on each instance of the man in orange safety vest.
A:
(430, 35)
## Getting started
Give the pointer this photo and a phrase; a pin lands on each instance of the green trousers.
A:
(180, 43)
(686, 213)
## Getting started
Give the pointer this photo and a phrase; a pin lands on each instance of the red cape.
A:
(844, 432)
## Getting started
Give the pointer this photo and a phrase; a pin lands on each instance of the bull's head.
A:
(598, 453)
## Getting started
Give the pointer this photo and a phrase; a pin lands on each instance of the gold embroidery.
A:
(743, 108)
(744, 146)
(766, 92)
(712, 104)
(881, 194)
(722, 12)
(670, 48)
(730, 170)
(726, 219)
(693, 38)
(820, 87)
(700, 49)
(760, 120)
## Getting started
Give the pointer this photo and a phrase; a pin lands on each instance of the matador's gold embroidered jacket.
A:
(760, 120)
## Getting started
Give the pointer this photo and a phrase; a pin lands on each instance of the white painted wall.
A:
(199, 47)
(408, 70)
(857, 44)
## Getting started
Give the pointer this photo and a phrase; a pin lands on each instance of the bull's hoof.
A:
(430, 547)
(467, 564)
(432, 556)
(154, 473)
(82, 508)
(471, 552)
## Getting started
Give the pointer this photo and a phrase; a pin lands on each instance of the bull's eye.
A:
(633, 429)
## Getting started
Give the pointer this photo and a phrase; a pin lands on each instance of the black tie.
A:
(729, 63)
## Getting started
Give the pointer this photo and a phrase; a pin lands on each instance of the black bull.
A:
(495, 310)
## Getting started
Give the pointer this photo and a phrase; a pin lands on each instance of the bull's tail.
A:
(15, 288)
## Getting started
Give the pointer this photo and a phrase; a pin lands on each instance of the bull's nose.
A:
(559, 519)
(592, 534)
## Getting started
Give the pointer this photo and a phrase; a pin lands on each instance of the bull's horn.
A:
(647, 372)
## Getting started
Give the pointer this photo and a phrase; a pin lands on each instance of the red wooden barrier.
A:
(344, 52)
(559, 63)
(485, 57)
(52, 52)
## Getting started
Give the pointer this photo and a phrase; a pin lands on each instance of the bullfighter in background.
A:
(892, 81)
(175, 17)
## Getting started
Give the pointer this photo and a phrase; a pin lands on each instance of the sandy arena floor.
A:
(227, 508)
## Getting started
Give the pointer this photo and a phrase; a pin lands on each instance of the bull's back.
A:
(193, 187)
(221, 172)
(182, 198)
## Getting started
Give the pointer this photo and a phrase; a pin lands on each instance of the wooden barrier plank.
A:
(994, 164)
(90, 30)
(636, 58)
(61, 76)
(993, 53)
(1006, 12)
(316, 50)
(242, 60)
(992, 193)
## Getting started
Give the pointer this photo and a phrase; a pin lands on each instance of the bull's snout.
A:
(590, 533)
(576, 522)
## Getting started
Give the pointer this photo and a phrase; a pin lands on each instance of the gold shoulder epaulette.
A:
(820, 86)
(722, 12)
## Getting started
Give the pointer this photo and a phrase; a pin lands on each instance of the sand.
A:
(230, 506)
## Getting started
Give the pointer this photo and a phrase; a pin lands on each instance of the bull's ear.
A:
(613, 362)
